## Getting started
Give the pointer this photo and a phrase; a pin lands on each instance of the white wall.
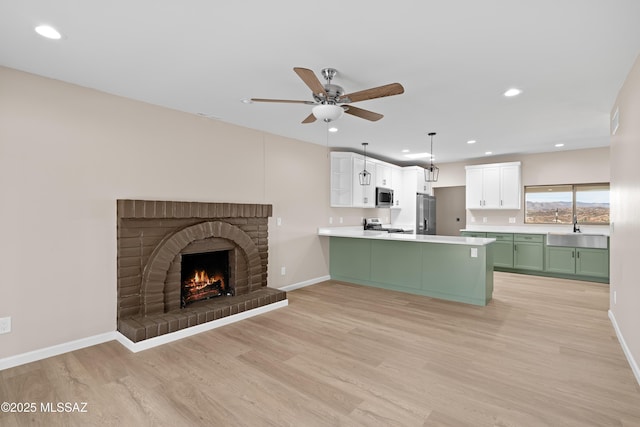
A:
(67, 153)
(625, 215)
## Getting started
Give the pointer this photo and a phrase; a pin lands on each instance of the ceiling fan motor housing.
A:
(333, 93)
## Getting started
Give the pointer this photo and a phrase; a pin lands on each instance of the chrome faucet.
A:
(576, 228)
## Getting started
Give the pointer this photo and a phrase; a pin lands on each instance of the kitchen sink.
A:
(577, 240)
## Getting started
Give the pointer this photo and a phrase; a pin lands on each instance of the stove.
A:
(374, 224)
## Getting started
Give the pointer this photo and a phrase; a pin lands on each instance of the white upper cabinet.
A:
(364, 196)
(346, 190)
(397, 186)
(422, 186)
(384, 176)
(493, 186)
(341, 179)
(511, 186)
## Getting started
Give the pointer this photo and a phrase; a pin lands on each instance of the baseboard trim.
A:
(44, 353)
(305, 283)
(183, 333)
(627, 352)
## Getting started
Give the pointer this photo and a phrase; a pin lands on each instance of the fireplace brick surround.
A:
(152, 236)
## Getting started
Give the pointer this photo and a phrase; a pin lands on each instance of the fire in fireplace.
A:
(204, 276)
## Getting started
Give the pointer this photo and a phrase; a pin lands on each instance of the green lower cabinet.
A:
(502, 249)
(561, 260)
(592, 262)
(454, 272)
(578, 261)
(528, 256)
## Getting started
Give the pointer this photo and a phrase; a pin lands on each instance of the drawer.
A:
(473, 234)
(533, 238)
(501, 237)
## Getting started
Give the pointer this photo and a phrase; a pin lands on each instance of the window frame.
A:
(575, 188)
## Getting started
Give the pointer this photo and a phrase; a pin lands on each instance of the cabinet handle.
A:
(572, 254)
(578, 254)
(515, 248)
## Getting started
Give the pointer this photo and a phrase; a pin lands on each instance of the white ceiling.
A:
(454, 59)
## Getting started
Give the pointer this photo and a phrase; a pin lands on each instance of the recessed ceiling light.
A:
(333, 130)
(405, 150)
(488, 152)
(48, 32)
(417, 155)
(512, 92)
(559, 145)
(471, 141)
(246, 101)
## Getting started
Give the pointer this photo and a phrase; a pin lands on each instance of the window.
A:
(559, 204)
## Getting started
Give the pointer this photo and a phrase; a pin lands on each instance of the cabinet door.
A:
(363, 195)
(510, 194)
(561, 260)
(397, 185)
(423, 186)
(491, 187)
(503, 254)
(341, 180)
(383, 175)
(592, 262)
(528, 256)
(502, 249)
(474, 198)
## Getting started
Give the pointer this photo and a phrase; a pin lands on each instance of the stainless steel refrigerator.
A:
(425, 214)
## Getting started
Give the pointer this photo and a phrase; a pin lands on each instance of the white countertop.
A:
(359, 233)
(538, 229)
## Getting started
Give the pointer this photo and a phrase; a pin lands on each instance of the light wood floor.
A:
(542, 353)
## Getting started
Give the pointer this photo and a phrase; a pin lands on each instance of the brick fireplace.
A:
(154, 236)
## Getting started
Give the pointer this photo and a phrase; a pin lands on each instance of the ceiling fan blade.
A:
(310, 119)
(310, 79)
(376, 92)
(362, 113)
(282, 100)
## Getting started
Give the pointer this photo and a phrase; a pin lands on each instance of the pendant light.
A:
(364, 176)
(432, 171)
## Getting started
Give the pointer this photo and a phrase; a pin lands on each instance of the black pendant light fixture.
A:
(364, 176)
(432, 171)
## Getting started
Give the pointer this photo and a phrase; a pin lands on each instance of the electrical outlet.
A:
(474, 252)
(615, 298)
(283, 271)
(330, 220)
(5, 325)
(512, 220)
(340, 220)
(484, 219)
(279, 221)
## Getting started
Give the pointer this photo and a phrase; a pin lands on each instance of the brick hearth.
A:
(152, 235)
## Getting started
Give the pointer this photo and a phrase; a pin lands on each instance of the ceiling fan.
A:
(330, 100)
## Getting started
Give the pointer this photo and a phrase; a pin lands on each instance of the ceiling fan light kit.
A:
(327, 112)
(330, 100)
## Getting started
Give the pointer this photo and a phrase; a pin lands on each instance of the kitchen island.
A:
(445, 267)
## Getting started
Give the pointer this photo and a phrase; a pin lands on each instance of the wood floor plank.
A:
(542, 353)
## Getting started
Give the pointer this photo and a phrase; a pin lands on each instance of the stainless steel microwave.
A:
(384, 197)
